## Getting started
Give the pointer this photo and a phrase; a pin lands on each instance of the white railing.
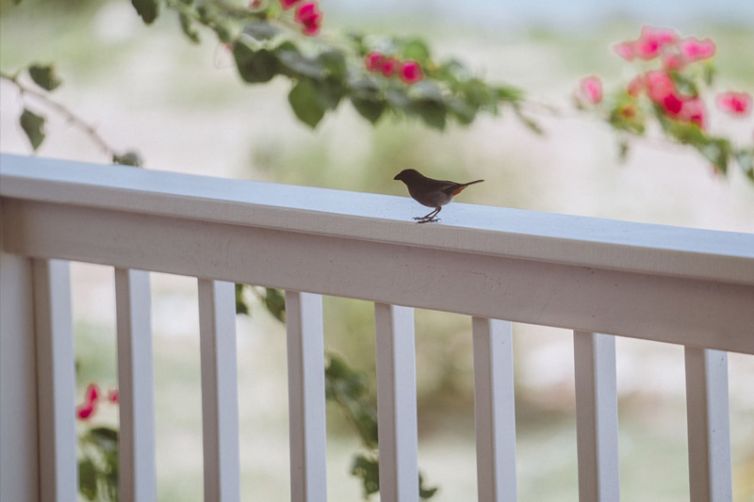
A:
(689, 287)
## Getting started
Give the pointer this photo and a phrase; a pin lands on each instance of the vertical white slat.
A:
(596, 417)
(494, 407)
(708, 425)
(56, 381)
(19, 459)
(306, 396)
(396, 403)
(136, 446)
(217, 321)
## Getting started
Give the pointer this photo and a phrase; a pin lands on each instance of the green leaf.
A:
(334, 62)
(461, 110)
(187, 26)
(369, 108)
(33, 126)
(45, 76)
(307, 103)
(745, 159)
(298, 65)
(147, 9)
(255, 66)
(88, 478)
(242, 307)
(709, 73)
(275, 303)
(129, 158)
(260, 29)
(684, 84)
(432, 113)
(426, 492)
(717, 151)
(367, 469)
(417, 49)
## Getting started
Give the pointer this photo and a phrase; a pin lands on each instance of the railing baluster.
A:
(56, 381)
(136, 468)
(19, 453)
(597, 417)
(217, 334)
(708, 425)
(494, 410)
(306, 396)
(396, 403)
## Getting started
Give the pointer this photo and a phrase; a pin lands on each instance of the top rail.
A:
(678, 285)
(489, 230)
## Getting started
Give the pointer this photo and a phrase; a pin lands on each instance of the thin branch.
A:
(63, 111)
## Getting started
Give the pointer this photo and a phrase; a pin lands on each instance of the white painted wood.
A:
(136, 447)
(708, 425)
(497, 231)
(19, 460)
(396, 403)
(217, 320)
(494, 407)
(596, 417)
(714, 314)
(56, 381)
(306, 396)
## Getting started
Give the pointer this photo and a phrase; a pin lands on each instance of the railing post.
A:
(708, 425)
(596, 417)
(495, 416)
(306, 396)
(136, 452)
(19, 458)
(217, 320)
(58, 479)
(396, 403)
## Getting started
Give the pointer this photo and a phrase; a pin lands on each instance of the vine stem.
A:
(61, 110)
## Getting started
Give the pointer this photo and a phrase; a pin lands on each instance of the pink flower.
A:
(373, 61)
(310, 17)
(625, 50)
(287, 4)
(694, 111)
(389, 66)
(591, 89)
(659, 85)
(312, 27)
(652, 41)
(306, 12)
(673, 62)
(635, 86)
(411, 71)
(92, 393)
(113, 396)
(85, 411)
(695, 50)
(662, 36)
(734, 103)
(672, 104)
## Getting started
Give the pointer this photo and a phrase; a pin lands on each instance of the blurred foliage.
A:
(98, 464)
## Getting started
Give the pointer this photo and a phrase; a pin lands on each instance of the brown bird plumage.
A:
(430, 192)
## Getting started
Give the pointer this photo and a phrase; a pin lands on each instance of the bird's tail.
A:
(471, 183)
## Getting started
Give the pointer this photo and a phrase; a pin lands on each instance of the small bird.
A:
(429, 192)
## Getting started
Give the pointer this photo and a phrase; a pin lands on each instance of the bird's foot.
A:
(427, 220)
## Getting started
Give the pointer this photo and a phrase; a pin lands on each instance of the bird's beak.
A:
(396, 176)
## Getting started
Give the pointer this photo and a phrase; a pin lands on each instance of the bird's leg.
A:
(431, 217)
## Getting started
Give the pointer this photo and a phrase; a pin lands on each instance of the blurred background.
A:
(185, 109)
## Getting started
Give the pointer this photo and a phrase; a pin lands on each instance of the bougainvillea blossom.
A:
(591, 89)
(734, 103)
